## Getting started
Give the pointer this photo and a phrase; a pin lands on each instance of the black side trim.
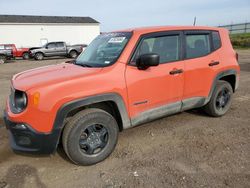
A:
(156, 113)
(68, 107)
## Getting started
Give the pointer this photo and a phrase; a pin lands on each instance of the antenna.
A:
(194, 21)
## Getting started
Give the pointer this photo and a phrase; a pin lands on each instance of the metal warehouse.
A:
(30, 31)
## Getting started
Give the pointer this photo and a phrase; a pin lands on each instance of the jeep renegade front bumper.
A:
(26, 140)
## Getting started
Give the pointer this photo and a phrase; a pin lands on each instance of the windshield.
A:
(104, 50)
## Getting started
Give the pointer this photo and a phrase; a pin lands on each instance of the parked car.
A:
(5, 54)
(17, 52)
(154, 72)
(53, 49)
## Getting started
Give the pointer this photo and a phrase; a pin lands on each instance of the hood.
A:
(24, 49)
(35, 48)
(49, 75)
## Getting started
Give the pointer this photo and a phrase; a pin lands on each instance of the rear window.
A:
(60, 44)
(197, 45)
(216, 40)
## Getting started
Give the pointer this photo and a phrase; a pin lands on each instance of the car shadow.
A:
(62, 153)
(198, 112)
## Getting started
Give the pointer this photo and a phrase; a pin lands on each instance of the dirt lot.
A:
(185, 150)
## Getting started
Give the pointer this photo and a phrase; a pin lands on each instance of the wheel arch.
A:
(227, 75)
(40, 52)
(113, 100)
(25, 52)
(72, 49)
(108, 106)
(231, 79)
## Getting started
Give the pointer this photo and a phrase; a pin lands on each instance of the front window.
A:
(51, 45)
(167, 47)
(104, 50)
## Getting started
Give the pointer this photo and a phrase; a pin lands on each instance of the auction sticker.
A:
(116, 40)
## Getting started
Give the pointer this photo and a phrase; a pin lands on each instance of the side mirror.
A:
(147, 60)
(46, 47)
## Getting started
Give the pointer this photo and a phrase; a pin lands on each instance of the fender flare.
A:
(218, 77)
(40, 53)
(69, 106)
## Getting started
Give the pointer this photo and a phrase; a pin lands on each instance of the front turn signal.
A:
(36, 98)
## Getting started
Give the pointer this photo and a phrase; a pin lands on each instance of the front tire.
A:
(39, 56)
(221, 99)
(90, 136)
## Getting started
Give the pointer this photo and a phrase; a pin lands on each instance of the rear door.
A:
(60, 48)
(201, 63)
(156, 87)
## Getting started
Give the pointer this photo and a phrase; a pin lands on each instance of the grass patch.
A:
(241, 41)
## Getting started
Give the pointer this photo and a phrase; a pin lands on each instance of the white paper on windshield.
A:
(116, 40)
(106, 62)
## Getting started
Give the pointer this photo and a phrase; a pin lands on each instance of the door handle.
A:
(176, 71)
(214, 63)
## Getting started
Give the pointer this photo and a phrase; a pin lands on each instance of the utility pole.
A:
(194, 21)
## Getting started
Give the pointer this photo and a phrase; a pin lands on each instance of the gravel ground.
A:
(189, 149)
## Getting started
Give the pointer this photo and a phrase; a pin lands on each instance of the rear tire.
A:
(25, 55)
(221, 99)
(73, 54)
(90, 136)
(2, 59)
(39, 56)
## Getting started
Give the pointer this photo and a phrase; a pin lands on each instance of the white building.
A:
(33, 31)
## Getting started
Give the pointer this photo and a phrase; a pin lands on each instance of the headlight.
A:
(20, 101)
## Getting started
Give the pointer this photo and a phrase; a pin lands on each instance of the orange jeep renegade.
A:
(123, 79)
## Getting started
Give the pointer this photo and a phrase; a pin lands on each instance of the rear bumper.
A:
(237, 82)
(27, 140)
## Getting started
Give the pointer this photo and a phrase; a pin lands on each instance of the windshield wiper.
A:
(82, 64)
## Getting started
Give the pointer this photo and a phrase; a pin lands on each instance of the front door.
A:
(50, 49)
(154, 92)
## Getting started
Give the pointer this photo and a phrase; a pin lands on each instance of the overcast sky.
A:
(115, 14)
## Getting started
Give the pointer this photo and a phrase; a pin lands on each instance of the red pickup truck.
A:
(17, 52)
